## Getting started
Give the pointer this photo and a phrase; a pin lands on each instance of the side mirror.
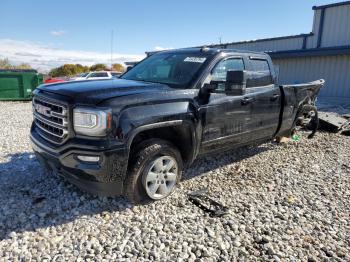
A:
(208, 88)
(236, 81)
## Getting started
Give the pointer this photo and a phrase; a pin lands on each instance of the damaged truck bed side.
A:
(134, 135)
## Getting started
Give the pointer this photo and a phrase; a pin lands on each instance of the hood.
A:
(95, 91)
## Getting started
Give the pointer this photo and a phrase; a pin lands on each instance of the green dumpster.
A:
(18, 84)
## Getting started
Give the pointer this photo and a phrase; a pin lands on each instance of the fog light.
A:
(89, 158)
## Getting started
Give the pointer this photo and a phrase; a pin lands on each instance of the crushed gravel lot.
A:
(288, 202)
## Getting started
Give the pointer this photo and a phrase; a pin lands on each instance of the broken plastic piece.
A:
(207, 204)
(296, 138)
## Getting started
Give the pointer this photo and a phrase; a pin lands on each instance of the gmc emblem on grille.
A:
(46, 111)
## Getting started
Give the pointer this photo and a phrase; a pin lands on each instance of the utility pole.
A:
(112, 36)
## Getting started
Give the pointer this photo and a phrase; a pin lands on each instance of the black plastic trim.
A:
(151, 126)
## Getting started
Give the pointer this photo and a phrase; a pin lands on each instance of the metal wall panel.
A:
(336, 28)
(270, 45)
(312, 40)
(334, 69)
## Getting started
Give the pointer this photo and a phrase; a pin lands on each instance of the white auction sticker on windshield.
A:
(195, 59)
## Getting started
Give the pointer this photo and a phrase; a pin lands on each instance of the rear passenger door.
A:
(266, 98)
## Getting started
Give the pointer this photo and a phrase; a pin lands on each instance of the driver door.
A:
(225, 117)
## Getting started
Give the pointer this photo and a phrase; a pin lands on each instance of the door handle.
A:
(247, 100)
(274, 97)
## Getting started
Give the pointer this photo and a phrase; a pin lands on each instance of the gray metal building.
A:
(323, 53)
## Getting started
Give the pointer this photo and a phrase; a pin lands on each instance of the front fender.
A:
(136, 119)
(137, 116)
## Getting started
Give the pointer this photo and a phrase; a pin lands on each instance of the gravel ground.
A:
(287, 201)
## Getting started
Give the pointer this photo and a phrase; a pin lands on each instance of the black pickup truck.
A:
(134, 135)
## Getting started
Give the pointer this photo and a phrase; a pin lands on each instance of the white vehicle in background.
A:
(81, 76)
(96, 75)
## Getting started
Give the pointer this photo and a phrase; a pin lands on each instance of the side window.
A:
(92, 75)
(219, 72)
(102, 75)
(260, 74)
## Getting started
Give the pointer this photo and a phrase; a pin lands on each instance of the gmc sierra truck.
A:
(134, 135)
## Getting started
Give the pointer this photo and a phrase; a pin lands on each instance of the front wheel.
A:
(154, 172)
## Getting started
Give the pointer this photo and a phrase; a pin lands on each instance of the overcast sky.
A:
(50, 33)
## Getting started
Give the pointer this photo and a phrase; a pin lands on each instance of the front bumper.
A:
(103, 178)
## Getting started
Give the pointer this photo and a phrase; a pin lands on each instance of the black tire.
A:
(143, 155)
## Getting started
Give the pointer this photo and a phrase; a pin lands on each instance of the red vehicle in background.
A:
(55, 80)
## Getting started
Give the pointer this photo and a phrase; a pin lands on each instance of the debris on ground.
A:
(346, 132)
(201, 199)
(296, 138)
(282, 139)
(333, 122)
(335, 116)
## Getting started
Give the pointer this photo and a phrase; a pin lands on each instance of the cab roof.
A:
(210, 50)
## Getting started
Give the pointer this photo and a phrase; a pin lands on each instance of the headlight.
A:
(91, 122)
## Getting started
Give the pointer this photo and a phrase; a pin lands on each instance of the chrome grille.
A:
(50, 119)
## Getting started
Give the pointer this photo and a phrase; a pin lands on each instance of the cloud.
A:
(58, 32)
(160, 48)
(45, 57)
(27, 54)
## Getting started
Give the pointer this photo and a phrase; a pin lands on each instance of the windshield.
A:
(174, 69)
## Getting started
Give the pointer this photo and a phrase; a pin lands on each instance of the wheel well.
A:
(179, 136)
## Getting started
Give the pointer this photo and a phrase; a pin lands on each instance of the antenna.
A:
(220, 40)
(112, 36)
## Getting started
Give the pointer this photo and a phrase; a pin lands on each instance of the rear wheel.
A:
(307, 118)
(154, 172)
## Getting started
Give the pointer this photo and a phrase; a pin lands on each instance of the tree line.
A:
(6, 64)
(74, 69)
(64, 70)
